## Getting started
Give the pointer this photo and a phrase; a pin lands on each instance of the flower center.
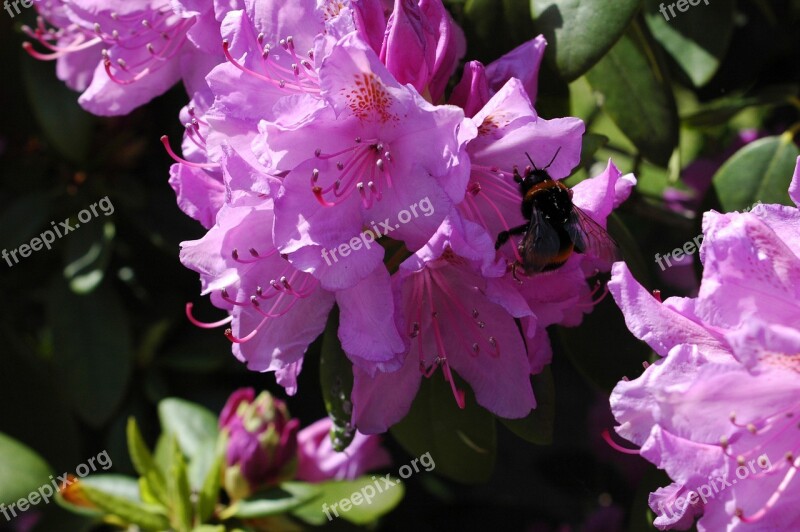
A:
(364, 167)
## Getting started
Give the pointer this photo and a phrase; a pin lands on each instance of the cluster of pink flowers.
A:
(312, 122)
(719, 411)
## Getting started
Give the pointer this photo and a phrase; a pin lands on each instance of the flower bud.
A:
(262, 442)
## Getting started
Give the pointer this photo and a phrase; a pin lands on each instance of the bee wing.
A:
(590, 238)
(540, 245)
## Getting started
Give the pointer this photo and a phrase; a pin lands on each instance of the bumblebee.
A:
(555, 227)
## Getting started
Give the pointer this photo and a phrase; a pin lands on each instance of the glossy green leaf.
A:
(461, 442)
(631, 250)
(117, 485)
(92, 349)
(194, 426)
(761, 171)
(697, 39)
(208, 494)
(145, 516)
(722, 110)
(68, 127)
(179, 492)
(601, 348)
(336, 379)
(538, 426)
(288, 496)
(580, 32)
(24, 218)
(87, 255)
(144, 463)
(636, 96)
(481, 18)
(374, 499)
(22, 471)
(590, 143)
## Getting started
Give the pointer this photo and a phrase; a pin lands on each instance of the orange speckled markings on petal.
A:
(492, 123)
(787, 362)
(332, 9)
(369, 99)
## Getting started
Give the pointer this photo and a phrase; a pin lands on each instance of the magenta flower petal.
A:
(523, 63)
(659, 325)
(318, 461)
(368, 306)
(384, 399)
(794, 188)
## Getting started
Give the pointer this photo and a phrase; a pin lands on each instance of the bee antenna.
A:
(553, 159)
(531, 160)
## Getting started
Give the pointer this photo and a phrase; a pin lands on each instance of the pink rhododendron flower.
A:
(479, 83)
(265, 446)
(261, 442)
(120, 55)
(319, 461)
(314, 132)
(718, 411)
(422, 46)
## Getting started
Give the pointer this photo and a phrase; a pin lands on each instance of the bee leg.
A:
(514, 267)
(503, 236)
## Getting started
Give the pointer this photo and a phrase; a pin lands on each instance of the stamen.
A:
(204, 325)
(614, 445)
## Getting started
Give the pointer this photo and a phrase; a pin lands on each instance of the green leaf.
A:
(601, 348)
(481, 18)
(631, 250)
(22, 471)
(580, 32)
(92, 349)
(194, 426)
(117, 485)
(336, 379)
(722, 110)
(275, 501)
(697, 40)
(146, 516)
(68, 127)
(209, 492)
(761, 171)
(373, 497)
(638, 99)
(87, 255)
(462, 442)
(537, 427)
(179, 493)
(590, 143)
(23, 219)
(144, 464)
